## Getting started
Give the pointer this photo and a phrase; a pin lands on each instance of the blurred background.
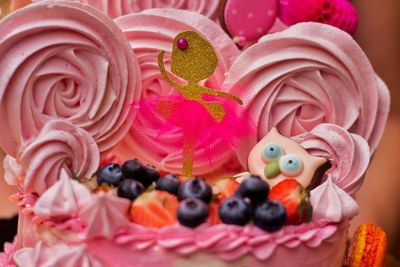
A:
(379, 198)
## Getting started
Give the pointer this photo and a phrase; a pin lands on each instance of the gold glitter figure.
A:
(193, 59)
(195, 63)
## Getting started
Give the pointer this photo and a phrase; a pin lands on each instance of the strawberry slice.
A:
(213, 215)
(225, 188)
(154, 209)
(296, 200)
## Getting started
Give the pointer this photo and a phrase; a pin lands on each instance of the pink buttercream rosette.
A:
(68, 61)
(149, 33)
(306, 75)
(59, 146)
(117, 8)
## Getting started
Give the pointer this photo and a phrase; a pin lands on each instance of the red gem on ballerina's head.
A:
(182, 43)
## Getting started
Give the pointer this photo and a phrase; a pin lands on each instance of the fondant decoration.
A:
(193, 59)
(307, 75)
(149, 139)
(276, 158)
(339, 13)
(247, 21)
(65, 62)
(59, 146)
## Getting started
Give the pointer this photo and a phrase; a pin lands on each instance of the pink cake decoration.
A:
(309, 74)
(79, 79)
(148, 33)
(117, 8)
(90, 80)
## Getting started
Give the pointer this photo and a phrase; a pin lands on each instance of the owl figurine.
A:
(276, 158)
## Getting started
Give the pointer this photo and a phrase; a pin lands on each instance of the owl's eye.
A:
(290, 165)
(272, 152)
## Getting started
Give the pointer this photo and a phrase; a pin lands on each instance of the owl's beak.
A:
(272, 170)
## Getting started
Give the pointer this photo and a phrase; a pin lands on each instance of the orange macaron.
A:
(369, 247)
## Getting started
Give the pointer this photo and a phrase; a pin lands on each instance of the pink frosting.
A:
(60, 145)
(64, 60)
(105, 215)
(309, 74)
(331, 203)
(6, 257)
(13, 171)
(348, 153)
(57, 255)
(117, 8)
(227, 241)
(64, 199)
(148, 33)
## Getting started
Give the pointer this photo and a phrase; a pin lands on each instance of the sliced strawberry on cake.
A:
(295, 198)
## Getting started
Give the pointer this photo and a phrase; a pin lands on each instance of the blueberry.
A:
(195, 188)
(253, 188)
(192, 212)
(169, 183)
(236, 211)
(130, 189)
(133, 169)
(270, 216)
(152, 173)
(110, 174)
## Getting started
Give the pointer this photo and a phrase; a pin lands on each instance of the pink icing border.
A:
(229, 242)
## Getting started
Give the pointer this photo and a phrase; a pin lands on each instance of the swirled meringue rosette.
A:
(65, 60)
(59, 146)
(117, 8)
(348, 153)
(148, 33)
(307, 75)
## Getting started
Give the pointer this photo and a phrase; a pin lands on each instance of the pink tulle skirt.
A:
(195, 124)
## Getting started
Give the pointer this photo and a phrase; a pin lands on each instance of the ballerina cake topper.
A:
(202, 111)
(193, 59)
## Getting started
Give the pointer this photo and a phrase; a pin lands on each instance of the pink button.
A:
(250, 19)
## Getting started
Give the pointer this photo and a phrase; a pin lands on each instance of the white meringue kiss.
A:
(331, 203)
(64, 199)
(60, 145)
(105, 215)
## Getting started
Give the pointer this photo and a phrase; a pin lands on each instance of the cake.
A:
(101, 181)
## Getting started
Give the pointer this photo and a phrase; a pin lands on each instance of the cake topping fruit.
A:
(236, 211)
(192, 212)
(253, 188)
(130, 189)
(295, 198)
(169, 183)
(152, 173)
(195, 188)
(225, 188)
(154, 209)
(134, 169)
(270, 216)
(110, 174)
